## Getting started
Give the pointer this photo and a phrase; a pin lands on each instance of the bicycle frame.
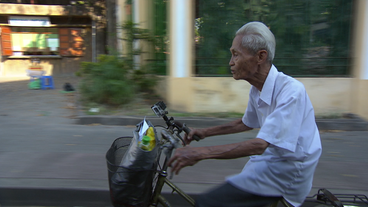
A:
(162, 180)
(158, 198)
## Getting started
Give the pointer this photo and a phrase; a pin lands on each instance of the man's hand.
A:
(186, 156)
(188, 138)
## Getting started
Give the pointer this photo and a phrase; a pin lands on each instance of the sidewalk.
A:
(48, 159)
(15, 89)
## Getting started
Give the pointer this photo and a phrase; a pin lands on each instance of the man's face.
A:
(243, 64)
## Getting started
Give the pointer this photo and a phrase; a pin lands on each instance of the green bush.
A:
(107, 81)
(113, 81)
(144, 79)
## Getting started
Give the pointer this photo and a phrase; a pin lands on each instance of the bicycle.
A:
(171, 139)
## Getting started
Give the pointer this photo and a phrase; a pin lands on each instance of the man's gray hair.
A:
(257, 36)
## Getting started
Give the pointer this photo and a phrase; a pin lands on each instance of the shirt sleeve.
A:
(282, 126)
(250, 117)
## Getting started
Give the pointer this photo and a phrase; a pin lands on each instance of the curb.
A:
(349, 122)
(133, 120)
(68, 197)
(98, 198)
(53, 197)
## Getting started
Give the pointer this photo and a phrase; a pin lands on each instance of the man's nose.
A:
(231, 61)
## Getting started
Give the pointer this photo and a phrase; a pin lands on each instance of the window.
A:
(26, 41)
(34, 41)
(71, 42)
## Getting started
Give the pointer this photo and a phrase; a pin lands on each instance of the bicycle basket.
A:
(131, 171)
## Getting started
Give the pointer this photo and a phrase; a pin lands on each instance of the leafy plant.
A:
(142, 75)
(312, 37)
(106, 82)
(144, 79)
(114, 80)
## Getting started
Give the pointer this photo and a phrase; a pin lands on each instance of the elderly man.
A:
(285, 153)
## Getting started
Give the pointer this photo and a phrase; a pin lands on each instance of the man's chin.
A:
(235, 77)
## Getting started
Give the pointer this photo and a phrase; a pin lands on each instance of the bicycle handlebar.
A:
(159, 110)
(187, 130)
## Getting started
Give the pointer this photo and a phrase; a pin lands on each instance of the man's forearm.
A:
(229, 128)
(235, 150)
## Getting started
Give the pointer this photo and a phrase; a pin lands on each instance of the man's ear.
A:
(262, 56)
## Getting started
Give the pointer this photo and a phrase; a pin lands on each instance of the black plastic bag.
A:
(131, 171)
(68, 87)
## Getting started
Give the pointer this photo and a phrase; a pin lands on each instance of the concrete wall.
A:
(360, 101)
(16, 67)
(329, 96)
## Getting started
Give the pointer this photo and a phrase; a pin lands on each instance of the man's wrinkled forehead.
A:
(237, 45)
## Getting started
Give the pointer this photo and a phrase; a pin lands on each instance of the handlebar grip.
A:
(187, 130)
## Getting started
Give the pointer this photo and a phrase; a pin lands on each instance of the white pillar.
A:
(181, 55)
(119, 21)
(181, 38)
(364, 59)
(136, 44)
(359, 99)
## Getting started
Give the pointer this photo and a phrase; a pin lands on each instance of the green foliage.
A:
(144, 79)
(312, 37)
(131, 34)
(218, 23)
(107, 81)
(142, 75)
(114, 80)
(161, 37)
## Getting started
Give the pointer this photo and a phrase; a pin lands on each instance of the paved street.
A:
(47, 159)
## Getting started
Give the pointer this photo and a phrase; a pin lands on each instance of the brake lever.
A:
(168, 153)
(181, 138)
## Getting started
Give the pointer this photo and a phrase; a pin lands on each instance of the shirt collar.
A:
(267, 89)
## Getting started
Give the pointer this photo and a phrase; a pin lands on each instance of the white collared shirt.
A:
(285, 116)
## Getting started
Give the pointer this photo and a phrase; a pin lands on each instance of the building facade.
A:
(184, 91)
(63, 33)
(54, 35)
